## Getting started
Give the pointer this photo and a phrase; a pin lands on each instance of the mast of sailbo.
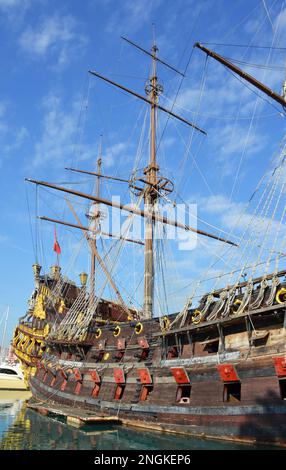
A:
(94, 217)
(150, 194)
(153, 187)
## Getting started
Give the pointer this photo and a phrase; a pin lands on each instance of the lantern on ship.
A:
(83, 279)
(37, 270)
(55, 271)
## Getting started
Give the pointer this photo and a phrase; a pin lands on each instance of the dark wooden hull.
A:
(223, 379)
(260, 415)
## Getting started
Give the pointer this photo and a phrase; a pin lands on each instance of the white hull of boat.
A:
(11, 383)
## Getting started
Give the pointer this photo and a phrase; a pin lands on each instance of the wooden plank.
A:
(73, 416)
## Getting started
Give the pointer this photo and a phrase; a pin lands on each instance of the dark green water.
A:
(22, 428)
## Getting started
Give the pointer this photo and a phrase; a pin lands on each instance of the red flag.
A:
(57, 247)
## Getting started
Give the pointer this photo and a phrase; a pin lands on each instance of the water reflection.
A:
(22, 428)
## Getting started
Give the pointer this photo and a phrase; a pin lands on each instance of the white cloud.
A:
(114, 152)
(254, 224)
(280, 21)
(3, 238)
(252, 26)
(216, 204)
(19, 136)
(226, 92)
(3, 108)
(8, 4)
(140, 10)
(14, 11)
(11, 136)
(132, 15)
(3, 123)
(60, 142)
(57, 141)
(236, 141)
(56, 36)
(234, 133)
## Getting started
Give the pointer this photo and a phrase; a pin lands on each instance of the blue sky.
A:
(52, 113)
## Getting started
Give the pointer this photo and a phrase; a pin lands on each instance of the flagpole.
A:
(2, 358)
(56, 247)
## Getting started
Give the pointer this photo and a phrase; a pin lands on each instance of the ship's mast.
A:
(154, 186)
(150, 195)
(95, 214)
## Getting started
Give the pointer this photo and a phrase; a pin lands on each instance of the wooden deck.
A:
(74, 417)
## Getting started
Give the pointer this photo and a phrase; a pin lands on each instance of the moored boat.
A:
(11, 377)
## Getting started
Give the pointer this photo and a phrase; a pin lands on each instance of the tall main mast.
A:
(151, 195)
(95, 214)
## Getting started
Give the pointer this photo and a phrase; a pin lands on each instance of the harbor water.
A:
(24, 429)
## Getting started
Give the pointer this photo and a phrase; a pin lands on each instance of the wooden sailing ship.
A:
(216, 370)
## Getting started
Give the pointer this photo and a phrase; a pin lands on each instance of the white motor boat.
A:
(11, 377)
